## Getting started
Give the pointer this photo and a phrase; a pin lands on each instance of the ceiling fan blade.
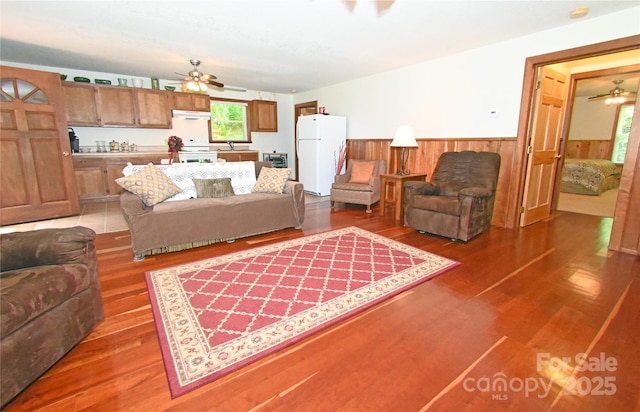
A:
(208, 76)
(600, 96)
(608, 95)
(214, 83)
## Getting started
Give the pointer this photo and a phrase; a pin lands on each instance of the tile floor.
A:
(101, 217)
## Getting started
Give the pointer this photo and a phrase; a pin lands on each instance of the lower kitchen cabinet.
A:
(238, 156)
(95, 174)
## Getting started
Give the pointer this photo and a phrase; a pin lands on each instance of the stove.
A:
(197, 150)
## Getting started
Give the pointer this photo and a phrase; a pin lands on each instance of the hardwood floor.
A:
(487, 335)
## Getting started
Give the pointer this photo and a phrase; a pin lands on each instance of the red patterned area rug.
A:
(217, 315)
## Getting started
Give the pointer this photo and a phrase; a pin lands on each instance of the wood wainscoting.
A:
(589, 149)
(423, 159)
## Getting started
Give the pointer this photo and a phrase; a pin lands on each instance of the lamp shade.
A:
(404, 137)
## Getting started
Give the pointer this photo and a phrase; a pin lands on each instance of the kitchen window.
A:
(229, 121)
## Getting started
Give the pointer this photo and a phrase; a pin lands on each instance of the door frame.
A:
(298, 109)
(531, 64)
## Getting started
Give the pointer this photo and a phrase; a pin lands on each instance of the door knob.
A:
(65, 153)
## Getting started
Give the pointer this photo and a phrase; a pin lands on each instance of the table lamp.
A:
(404, 138)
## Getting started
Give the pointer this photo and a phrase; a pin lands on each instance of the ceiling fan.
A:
(196, 81)
(616, 95)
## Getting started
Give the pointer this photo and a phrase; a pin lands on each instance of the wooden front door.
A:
(36, 169)
(543, 149)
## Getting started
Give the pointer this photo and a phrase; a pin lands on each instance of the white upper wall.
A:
(454, 96)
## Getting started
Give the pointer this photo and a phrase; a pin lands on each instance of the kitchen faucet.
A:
(231, 145)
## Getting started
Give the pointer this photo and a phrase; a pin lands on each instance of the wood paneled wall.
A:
(588, 149)
(423, 159)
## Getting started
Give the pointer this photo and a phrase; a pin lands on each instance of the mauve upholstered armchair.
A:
(360, 184)
(458, 201)
(49, 301)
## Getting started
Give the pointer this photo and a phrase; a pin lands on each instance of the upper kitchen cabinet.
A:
(191, 101)
(153, 108)
(112, 106)
(263, 116)
(115, 106)
(81, 104)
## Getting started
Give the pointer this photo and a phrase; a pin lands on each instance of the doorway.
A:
(532, 64)
(594, 137)
(301, 109)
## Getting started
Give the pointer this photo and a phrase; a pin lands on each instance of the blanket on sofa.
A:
(242, 174)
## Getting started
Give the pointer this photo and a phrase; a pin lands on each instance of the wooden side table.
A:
(397, 183)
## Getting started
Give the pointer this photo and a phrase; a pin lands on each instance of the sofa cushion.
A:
(150, 184)
(353, 187)
(214, 187)
(443, 204)
(271, 180)
(361, 171)
(450, 188)
(28, 293)
(242, 175)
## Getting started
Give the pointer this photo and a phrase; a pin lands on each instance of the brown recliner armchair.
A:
(360, 184)
(458, 201)
(49, 301)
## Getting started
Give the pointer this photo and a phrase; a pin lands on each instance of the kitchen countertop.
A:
(235, 151)
(98, 154)
(153, 153)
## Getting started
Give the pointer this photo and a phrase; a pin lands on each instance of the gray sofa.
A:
(183, 224)
(49, 301)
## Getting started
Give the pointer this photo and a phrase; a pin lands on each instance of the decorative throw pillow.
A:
(361, 172)
(271, 180)
(150, 184)
(214, 187)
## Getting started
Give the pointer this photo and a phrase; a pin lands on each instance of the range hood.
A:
(191, 115)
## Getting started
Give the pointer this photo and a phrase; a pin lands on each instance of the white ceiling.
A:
(269, 45)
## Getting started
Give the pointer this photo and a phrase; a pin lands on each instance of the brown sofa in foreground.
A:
(458, 201)
(49, 301)
(183, 224)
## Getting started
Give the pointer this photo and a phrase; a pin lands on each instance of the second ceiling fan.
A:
(616, 95)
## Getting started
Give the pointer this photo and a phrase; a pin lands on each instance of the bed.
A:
(589, 176)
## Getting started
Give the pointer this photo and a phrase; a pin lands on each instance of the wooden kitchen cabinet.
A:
(81, 104)
(153, 108)
(114, 106)
(238, 156)
(263, 116)
(191, 101)
(95, 174)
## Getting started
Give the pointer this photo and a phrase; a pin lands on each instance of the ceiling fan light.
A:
(203, 87)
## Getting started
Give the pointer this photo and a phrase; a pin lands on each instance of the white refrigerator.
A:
(319, 138)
